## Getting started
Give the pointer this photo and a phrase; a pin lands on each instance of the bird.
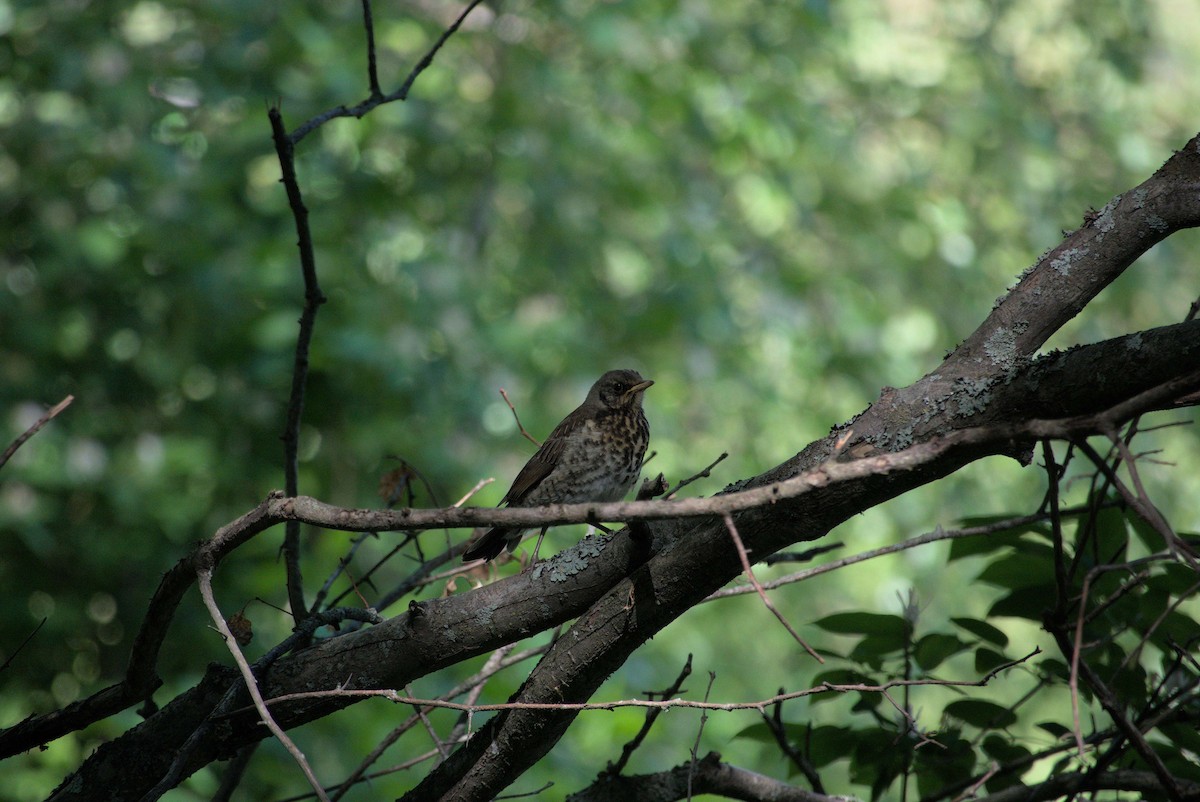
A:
(594, 454)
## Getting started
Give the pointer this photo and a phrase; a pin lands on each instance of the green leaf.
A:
(981, 713)
(934, 648)
(864, 624)
(878, 759)
(1054, 728)
(1183, 736)
(1172, 579)
(828, 743)
(1181, 628)
(872, 649)
(950, 763)
(843, 676)
(1146, 533)
(758, 731)
(1112, 534)
(988, 659)
(867, 702)
(1054, 667)
(1016, 538)
(1003, 750)
(982, 630)
(1024, 569)
(1030, 603)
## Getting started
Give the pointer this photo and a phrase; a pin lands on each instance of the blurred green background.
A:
(772, 209)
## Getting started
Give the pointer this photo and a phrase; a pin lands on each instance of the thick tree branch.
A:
(1064, 785)
(699, 560)
(707, 776)
(978, 403)
(1068, 276)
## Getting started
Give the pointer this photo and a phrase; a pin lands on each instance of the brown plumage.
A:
(595, 454)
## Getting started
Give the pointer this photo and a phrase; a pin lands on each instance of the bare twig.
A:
(704, 474)
(1149, 511)
(1076, 646)
(762, 594)
(712, 677)
(16, 651)
(438, 744)
(613, 769)
(313, 299)
(372, 70)
(341, 567)
(401, 93)
(32, 430)
(498, 661)
(421, 576)
(921, 540)
(524, 432)
(234, 771)
(759, 705)
(969, 793)
(204, 577)
(778, 730)
(1135, 653)
(1137, 500)
(285, 145)
(1116, 710)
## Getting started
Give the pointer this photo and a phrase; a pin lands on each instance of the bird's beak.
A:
(637, 388)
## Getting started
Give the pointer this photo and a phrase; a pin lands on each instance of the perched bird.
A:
(595, 454)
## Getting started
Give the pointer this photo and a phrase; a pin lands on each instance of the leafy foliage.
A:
(772, 210)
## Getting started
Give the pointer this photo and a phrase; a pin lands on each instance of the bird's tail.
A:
(490, 544)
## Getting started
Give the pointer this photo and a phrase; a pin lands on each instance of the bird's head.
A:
(619, 388)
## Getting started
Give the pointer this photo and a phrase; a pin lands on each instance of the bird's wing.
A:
(541, 463)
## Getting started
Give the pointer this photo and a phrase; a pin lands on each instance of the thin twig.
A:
(761, 704)
(921, 540)
(712, 677)
(32, 430)
(704, 474)
(778, 730)
(1139, 503)
(235, 770)
(1134, 654)
(614, 769)
(1115, 709)
(969, 793)
(443, 750)
(313, 299)
(1053, 476)
(524, 432)
(16, 651)
(372, 102)
(372, 71)
(1077, 644)
(498, 661)
(204, 579)
(1147, 509)
(420, 577)
(762, 594)
(342, 567)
